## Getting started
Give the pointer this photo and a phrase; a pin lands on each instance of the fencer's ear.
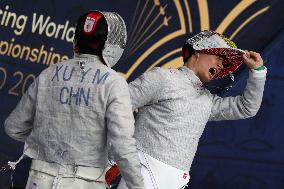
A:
(196, 56)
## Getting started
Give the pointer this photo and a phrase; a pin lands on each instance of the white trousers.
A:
(45, 175)
(158, 175)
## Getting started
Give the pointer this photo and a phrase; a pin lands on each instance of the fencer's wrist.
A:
(260, 73)
(254, 66)
(262, 67)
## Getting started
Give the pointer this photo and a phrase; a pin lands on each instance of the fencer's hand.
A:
(252, 59)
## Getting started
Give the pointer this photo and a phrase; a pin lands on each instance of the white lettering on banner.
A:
(42, 54)
(11, 19)
(43, 25)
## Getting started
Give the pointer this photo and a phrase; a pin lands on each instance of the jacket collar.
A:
(191, 76)
(87, 57)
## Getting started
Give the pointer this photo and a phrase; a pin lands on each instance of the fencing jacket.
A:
(70, 113)
(174, 109)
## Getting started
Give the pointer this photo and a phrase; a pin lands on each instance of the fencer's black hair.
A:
(94, 43)
(187, 51)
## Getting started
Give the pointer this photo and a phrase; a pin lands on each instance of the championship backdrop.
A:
(246, 154)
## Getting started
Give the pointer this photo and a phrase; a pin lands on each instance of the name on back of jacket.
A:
(77, 95)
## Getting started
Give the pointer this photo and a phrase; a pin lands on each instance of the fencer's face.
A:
(207, 66)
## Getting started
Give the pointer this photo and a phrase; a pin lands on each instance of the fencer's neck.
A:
(191, 65)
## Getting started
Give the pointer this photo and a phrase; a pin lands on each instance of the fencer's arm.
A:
(20, 122)
(120, 125)
(243, 106)
(248, 104)
(146, 88)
